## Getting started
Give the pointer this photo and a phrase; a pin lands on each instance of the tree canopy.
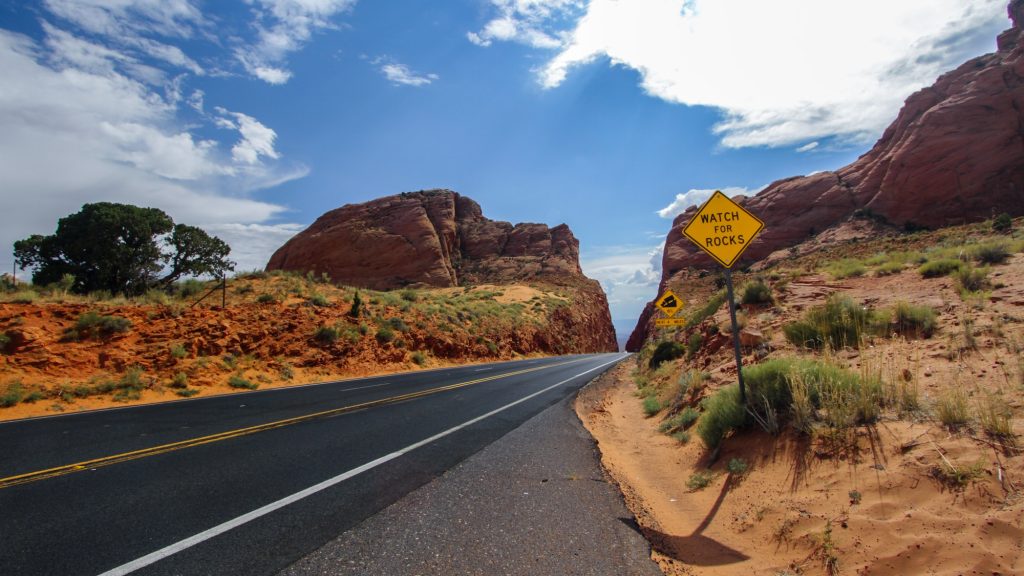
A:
(121, 248)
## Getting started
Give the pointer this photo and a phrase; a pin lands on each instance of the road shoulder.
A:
(534, 502)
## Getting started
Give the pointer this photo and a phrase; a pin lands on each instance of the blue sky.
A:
(252, 118)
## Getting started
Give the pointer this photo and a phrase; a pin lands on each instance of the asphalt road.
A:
(250, 483)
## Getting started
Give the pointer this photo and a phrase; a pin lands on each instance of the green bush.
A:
(709, 309)
(939, 268)
(419, 358)
(238, 381)
(1002, 223)
(398, 324)
(722, 413)
(5, 341)
(190, 287)
(410, 295)
(326, 335)
(357, 306)
(699, 480)
(266, 299)
(846, 268)
(385, 334)
(180, 380)
(737, 466)
(991, 252)
(756, 292)
(178, 351)
(693, 344)
(840, 322)
(24, 297)
(666, 351)
(94, 325)
(319, 300)
(889, 268)
(918, 320)
(652, 406)
(971, 279)
(12, 395)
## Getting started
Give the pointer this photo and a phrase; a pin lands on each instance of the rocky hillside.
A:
(440, 239)
(955, 154)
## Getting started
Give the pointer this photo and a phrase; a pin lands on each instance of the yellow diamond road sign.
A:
(723, 229)
(669, 303)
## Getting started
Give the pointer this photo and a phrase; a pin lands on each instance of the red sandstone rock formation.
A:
(439, 238)
(955, 154)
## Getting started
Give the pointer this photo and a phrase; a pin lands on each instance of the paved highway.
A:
(249, 483)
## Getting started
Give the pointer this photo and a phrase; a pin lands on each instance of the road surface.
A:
(249, 483)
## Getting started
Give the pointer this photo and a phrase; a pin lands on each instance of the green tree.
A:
(121, 248)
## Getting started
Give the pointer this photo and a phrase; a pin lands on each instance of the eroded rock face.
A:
(439, 239)
(955, 154)
(434, 238)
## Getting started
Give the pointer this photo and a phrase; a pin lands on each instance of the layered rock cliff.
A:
(440, 239)
(954, 154)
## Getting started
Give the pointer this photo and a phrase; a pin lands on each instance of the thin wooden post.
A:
(735, 335)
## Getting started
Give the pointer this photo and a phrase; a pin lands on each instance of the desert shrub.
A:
(419, 358)
(699, 480)
(709, 309)
(991, 252)
(5, 341)
(693, 344)
(840, 322)
(958, 477)
(178, 351)
(971, 279)
(357, 306)
(666, 351)
(939, 268)
(846, 268)
(1002, 223)
(319, 300)
(492, 347)
(398, 324)
(154, 296)
(266, 299)
(95, 325)
(180, 380)
(326, 335)
(237, 381)
(12, 395)
(682, 436)
(918, 320)
(187, 392)
(385, 334)
(24, 297)
(951, 408)
(995, 416)
(737, 466)
(410, 295)
(188, 288)
(722, 414)
(652, 406)
(889, 268)
(756, 292)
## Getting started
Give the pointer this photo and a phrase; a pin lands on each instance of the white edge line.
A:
(191, 541)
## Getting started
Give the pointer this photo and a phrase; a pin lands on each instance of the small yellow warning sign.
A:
(669, 303)
(723, 229)
(666, 322)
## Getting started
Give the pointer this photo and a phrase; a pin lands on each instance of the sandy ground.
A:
(773, 520)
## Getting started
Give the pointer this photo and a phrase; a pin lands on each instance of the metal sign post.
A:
(723, 229)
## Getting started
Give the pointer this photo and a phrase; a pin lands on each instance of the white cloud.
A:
(400, 74)
(696, 197)
(77, 125)
(527, 22)
(780, 72)
(808, 147)
(252, 244)
(629, 276)
(283, 27)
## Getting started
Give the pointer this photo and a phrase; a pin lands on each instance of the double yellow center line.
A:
(171, 447)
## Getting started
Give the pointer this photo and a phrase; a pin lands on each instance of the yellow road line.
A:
(164, 448)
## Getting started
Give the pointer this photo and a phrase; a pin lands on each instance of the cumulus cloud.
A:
(527, 22)
(629, 276)
(283, 27)
(252, 244)
(696, 197)
(781, 72)
(78, 124)
(400, 74)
